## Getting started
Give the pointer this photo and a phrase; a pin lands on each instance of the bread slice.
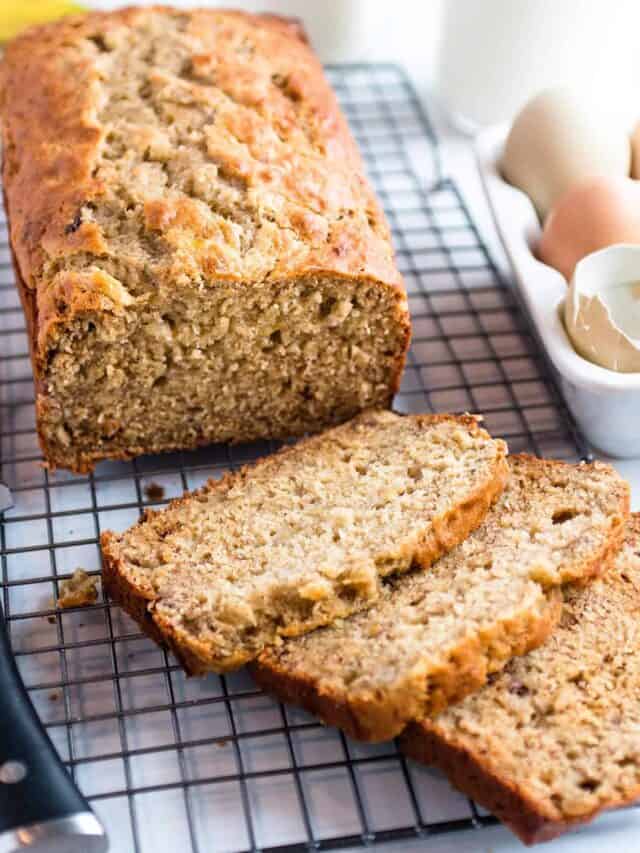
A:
(305, 536)
(434, 637)
(555, 738)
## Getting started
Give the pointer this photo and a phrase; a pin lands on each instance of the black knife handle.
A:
(40, 807)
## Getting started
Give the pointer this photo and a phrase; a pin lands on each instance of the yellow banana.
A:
(15, 15)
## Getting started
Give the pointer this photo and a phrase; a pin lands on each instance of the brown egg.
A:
(594, 214)
(635, 153)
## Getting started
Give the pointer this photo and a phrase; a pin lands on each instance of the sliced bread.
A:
(434, 636)
(304, 536)
(555, 737)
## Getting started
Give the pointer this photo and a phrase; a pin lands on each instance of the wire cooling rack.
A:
(172, 764)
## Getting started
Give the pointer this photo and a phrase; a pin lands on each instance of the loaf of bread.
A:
(433, 637)
(555, 737)
(199, 253)
(303, 537)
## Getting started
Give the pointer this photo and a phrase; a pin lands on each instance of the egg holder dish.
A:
(605, 404)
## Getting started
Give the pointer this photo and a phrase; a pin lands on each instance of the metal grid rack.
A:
(175, 764)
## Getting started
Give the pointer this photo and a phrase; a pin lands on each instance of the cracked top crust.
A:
(149, 147)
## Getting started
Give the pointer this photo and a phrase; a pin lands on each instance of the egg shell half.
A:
(594, 314)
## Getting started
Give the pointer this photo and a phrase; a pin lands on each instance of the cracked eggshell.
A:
(558, 140)
(602, 308)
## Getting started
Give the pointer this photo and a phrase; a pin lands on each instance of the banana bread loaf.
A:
(303, 537)
(199, 253)
(433, 637)
(555, 738)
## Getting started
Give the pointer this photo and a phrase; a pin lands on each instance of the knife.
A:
(41, 810)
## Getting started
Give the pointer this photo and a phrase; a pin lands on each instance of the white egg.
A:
(602, 309)
(557, 141)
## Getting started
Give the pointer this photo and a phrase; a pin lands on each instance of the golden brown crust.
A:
(133, 600)
(508, 803)
(46, 181)
(138, 600)
(64, 111)
(53, 136)
(472, 772)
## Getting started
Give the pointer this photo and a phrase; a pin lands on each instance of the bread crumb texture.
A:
(201, 255)
(304, 536)
(433, 637)
(78, 590)
(555, 737)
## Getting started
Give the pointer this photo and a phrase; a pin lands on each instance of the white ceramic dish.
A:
(605, 404)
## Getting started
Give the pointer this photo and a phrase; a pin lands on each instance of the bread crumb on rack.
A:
(51, 605)
(154, 491)
(78, 590)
